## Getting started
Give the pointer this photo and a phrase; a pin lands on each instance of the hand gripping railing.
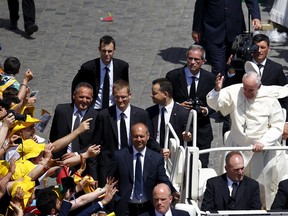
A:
(192, 116)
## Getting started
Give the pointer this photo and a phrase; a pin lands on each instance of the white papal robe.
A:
(259, 120)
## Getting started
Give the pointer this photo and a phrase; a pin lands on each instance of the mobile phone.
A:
(34, 93)
(18, 141)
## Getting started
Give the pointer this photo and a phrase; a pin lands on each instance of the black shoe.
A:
(31, 29)
(13, 25)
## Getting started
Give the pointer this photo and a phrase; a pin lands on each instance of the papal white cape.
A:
(259, 120)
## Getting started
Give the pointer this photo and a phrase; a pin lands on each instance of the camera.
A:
(196, 103)
(18, 116)
(242, 50)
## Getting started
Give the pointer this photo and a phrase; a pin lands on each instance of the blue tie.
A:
(138, 190)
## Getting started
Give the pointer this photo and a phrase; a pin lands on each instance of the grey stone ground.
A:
(151, 35)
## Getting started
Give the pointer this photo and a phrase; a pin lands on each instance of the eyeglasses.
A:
(121, 97)
(195, 59)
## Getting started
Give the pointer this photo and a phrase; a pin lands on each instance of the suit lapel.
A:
(69, 116)
(129, 161)
(115, 67)
(173, 115)
(147, 165)
(225, 190)
(183, 87)
(97, 75)
(133, 113)
(267, 69)
(241, 189)
(113, 120)
(155, 119)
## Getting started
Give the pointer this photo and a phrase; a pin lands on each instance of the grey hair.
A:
(252, 74)
(197, 47)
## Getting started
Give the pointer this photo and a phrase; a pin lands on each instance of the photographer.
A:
(192, 83)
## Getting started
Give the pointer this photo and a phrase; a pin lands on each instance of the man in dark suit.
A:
(64, 121)
(162, 200)
(215, 25)
(162, 93)
(232, 190)
(281, 200)
(138, 170)
(109, 133)
(271, 72)
(192, 83)
(94, 72)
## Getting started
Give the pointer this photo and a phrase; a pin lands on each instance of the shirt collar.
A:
(168, 213)
(126, 112)
(189, 74)
(83, 112)
(262, 63)
(230, 182)
(102, 65)
(168, 107)
(135, 151)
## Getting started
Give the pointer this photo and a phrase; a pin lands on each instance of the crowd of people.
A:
(106, 154)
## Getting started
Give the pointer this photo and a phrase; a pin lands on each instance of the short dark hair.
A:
(12, 65)
(46, 200)
(165, 85)
(230, 154)
(106, 39)
(10, 92)
(261, 37)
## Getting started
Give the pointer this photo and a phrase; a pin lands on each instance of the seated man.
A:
(281, 199)
(232, 190)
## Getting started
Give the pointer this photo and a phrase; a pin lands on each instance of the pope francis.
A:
(256, 120)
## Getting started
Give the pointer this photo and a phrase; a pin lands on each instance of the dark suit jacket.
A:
(281, 199)
(217, 196)
(175, 212)
(273, 74)
(90, 73)
(62, 126)
(216, 19)
(121, 167)
(107, 136)
(178, 119)
(180, 94)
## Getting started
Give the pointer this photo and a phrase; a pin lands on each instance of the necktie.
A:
(260, 66)
(138, 177)
(162, 128)
(106, 89)
(75, 146)
(123, 132)
(77, 120)
(234, 189)
(193, 88)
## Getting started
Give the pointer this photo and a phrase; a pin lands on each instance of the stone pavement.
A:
(151, 35)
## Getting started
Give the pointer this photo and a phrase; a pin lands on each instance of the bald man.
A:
(162, 200)
(123, 167)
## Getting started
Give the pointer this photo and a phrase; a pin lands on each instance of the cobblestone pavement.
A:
(151, 35)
